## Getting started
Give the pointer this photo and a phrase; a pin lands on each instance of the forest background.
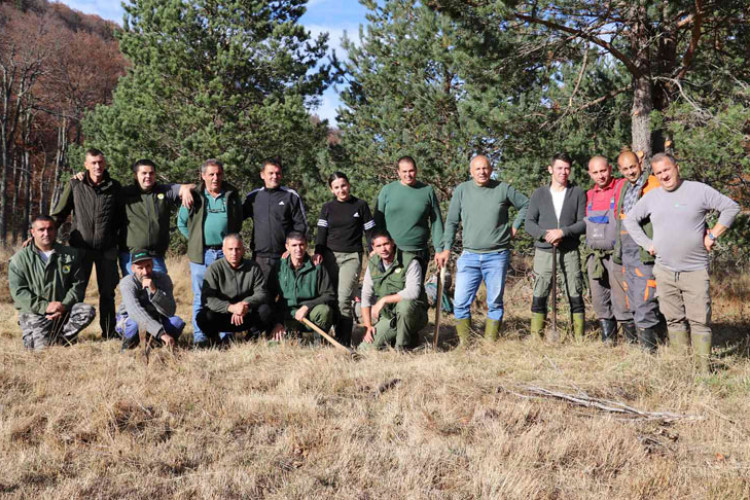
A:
(441, 80)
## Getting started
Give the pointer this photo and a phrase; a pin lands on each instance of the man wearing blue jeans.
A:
(481, 205)
(216, 212)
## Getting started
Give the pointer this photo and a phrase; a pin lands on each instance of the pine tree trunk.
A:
(641, 121)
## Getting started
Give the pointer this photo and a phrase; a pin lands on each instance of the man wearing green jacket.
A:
(234, 297)
(393, 296)
(147, 210)
(481, 205)
(47, 285)
(216, 212)
(409, 210)
(306, 290)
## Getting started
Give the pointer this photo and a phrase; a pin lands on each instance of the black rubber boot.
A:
(344, 328)
(629, 331)
(648, 338)
(609, 331)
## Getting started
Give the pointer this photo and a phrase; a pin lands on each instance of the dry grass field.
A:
(291, 421)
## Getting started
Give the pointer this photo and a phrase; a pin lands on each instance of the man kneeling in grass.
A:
(147, 304)
(47, 284)
(306, 290)
(393, 295)
(235, 298)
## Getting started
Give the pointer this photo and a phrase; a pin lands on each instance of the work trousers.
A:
(107, 279)
(684, 300)
(39, 332)
(270, 268)
(344, 269)
(608, 295)
(568, 270)
(640, 285)
(321, 316)
(399, 326)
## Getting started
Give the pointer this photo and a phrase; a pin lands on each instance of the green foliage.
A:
(231, 80)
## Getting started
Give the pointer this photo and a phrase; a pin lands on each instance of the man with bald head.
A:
(234, 296)
(607, 293)
(681, 240)
(637, 264)
(481, 206)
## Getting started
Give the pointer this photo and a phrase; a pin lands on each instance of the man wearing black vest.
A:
(392, 295)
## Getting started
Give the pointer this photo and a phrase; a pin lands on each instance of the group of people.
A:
(646, 236)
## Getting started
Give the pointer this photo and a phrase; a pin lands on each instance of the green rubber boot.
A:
(578, 326)
(702, 351)
(463, 330)
(679, 342)
(492, 329)
(537, 325)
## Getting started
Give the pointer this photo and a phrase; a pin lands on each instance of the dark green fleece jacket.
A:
(223, 285)
(34, 283)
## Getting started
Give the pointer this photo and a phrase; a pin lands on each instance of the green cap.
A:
(139, 256)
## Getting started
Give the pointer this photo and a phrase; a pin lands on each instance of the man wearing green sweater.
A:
(481, 205)
(409, 210)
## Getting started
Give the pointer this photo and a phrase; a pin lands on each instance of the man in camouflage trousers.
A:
(47, 285)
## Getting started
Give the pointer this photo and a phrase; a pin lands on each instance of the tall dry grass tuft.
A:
(298, 422)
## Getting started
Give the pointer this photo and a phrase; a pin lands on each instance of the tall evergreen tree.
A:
(226, 79)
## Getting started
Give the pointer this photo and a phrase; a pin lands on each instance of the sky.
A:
(332, 16)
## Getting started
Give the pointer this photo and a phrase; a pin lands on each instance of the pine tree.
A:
(231, 80)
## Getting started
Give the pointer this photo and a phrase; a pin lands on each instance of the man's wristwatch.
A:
(711, 236)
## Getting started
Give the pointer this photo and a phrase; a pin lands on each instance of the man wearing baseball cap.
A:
(147, 304)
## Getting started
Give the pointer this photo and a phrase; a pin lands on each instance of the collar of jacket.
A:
(306, 263)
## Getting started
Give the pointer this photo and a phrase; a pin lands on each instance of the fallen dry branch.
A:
(608, 405)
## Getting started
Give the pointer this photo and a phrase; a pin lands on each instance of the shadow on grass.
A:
(731, 339)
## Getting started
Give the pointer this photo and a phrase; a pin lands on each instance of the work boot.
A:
(702, 351)
(679, 341)
(629, 331)
(537, 325)
(648, 338)
(130, 343)
(344, 328)
(578, 326)
(609, 331)
(492, 329)
(463, 330)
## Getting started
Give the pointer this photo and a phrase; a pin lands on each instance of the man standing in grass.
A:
(216, 212)
(481, 205)
(47, 285)
(95, 203)
(605, 277)
(637, 271)
(393, 296)
(555, 221)
(147, 211)
(681, 242)
(409, 210)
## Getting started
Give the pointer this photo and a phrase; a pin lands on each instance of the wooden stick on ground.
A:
(583, 399)
(330, 339)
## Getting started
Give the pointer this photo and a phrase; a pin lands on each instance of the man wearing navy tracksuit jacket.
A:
(276, 211)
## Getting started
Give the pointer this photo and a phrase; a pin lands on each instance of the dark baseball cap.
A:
(139, 256)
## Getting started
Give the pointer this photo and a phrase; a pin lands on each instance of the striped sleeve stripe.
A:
(322, 223)
(369, 225)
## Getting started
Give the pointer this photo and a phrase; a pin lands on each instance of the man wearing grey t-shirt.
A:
(681, 243)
